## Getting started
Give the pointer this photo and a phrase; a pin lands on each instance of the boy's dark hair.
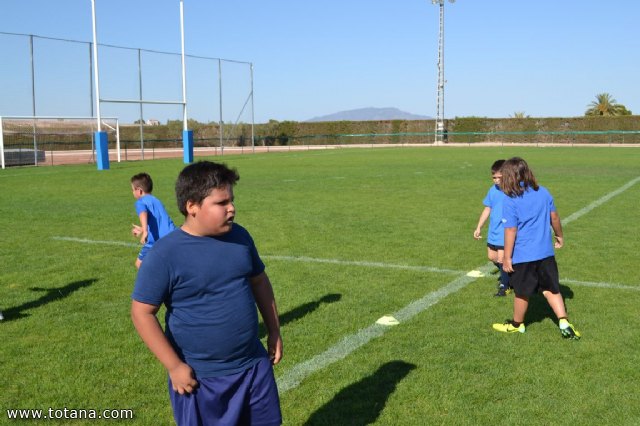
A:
(196, 181)
(517, 177)
(142, 181)
(496, 166)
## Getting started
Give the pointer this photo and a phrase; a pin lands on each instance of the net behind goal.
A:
(54, 140)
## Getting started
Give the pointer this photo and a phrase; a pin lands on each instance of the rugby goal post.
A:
(24, 140)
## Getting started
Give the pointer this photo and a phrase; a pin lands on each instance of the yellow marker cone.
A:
(387, 320)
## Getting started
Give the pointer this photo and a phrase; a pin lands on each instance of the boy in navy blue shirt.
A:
(495, 232)
(528, 214)
(210, 277)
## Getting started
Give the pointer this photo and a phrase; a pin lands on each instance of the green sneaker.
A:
(568, 330)
(508, 327)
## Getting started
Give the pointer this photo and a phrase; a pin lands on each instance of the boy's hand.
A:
(477, 234)
(182, 379)
(274, 347)
(507, 266)
(559, 242)
(136, 230)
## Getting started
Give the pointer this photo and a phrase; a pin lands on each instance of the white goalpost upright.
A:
(102, 152)
(48, 131)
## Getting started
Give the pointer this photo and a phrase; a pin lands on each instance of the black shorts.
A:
(494, 247)
(529, 278)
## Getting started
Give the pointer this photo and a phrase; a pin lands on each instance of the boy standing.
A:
(495, 233)
(210, 277)
(528, 250)
(155, 222)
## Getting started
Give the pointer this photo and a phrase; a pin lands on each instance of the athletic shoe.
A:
(508, 327)
(1, 316)
(501, 292)
(568, 330)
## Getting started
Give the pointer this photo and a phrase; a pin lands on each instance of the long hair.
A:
(517, 177)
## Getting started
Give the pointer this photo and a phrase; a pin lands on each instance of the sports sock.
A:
(504, 276)
(515, 323)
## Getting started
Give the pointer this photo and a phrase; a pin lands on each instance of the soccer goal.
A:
(53, 140)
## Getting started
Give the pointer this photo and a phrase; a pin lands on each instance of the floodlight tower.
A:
(439, 131)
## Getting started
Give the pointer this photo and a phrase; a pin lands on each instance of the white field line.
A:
(294, 376)
(363, 263)
(288, 258)
(600, 285)
(86, 241)
(600, 201)
(371, 264)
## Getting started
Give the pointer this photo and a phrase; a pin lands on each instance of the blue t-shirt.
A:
(494, 200)
(159, 223)
(530, 213)
(211, 318)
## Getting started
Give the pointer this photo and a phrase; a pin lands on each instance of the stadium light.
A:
(439, 130)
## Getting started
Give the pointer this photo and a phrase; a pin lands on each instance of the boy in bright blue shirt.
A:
(495, 233)
(528, 212)
(155, 222)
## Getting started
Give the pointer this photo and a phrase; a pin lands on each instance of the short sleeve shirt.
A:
(211, 318)
(494, 200)
(158, 220)
(530, 213)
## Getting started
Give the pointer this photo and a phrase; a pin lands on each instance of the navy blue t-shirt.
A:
(211, 318)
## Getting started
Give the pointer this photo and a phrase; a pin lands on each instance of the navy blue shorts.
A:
(246, 398)
(528, 278)
(495, 247)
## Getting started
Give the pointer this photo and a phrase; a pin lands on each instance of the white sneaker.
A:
(1, 316)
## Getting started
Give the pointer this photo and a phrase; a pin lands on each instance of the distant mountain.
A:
(370, 114)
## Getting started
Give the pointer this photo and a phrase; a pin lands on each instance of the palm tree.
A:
(606, 105)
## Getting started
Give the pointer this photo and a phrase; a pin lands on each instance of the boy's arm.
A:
(509, 242)
(144, 227)
(557, 230)
(263, 293)
(146, 323)
(483, 218)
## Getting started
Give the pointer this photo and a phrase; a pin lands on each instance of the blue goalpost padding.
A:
(102, 150)
(187, 144)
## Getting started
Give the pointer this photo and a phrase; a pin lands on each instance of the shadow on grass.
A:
(50, 295)
(301, 311)
(361, 403)
(539, 309)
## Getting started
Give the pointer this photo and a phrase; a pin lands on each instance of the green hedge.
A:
(283, 132)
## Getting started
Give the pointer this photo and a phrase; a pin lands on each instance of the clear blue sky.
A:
(312, 58)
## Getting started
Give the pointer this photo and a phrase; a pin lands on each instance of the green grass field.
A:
(348, 235)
